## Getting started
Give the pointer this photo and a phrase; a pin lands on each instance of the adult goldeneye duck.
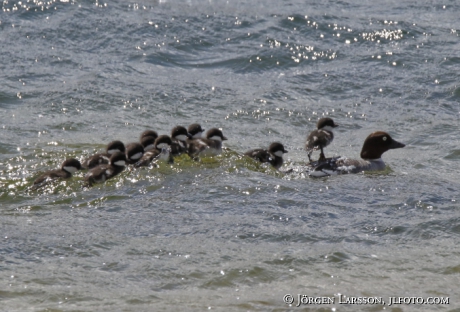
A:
(374, 146)
(68, 167)
(210, 146)
(162, 151)
(274, 154)
(195, 130)
(103, 158)
(179, 136)
(321, 137)
(134, 152)
(102, 173)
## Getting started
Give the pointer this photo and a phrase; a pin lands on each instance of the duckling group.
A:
(152, 148)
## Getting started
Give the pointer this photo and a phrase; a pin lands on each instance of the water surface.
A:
(226, 233)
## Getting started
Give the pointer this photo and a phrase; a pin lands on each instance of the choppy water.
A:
(227, 234)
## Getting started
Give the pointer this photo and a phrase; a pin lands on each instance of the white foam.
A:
(322, 173)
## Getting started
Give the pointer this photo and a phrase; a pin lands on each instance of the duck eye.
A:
(384, 138)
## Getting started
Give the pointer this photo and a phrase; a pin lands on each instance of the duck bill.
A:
(396, 144)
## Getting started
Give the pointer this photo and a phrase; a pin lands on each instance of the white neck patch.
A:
(216, 138)
(197, 135)
(327, 128)
(149, 147)
(181, 137)
(278, 153)
(70, 169)
(136, 156)
(120, 163)
(110, 152)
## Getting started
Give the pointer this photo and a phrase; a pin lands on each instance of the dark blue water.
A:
(226, 233)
